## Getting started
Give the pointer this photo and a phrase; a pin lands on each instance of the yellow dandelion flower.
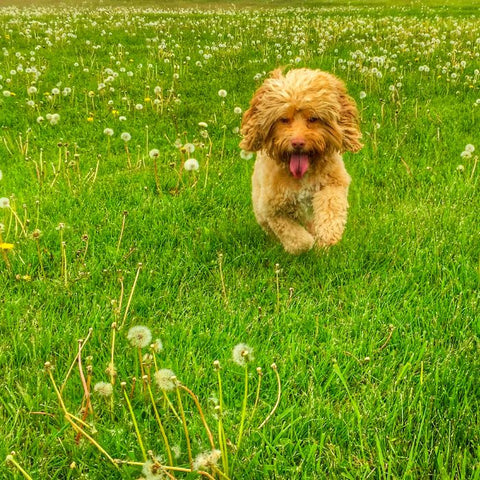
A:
(6, 246)
(146, 99)
(90, 119)
(114, 113)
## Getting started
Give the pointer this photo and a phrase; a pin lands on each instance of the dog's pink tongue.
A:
(299, 164)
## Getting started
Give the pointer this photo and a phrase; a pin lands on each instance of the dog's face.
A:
(299, 118)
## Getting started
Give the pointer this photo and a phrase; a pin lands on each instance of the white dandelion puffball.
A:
(222, 93)
(242, 354)
(104, 389)
(108, 131)
(4, 202)
(54, 118)
(154, 153)
(139, 336)
(157, 345)
(189, 147)
(246, 155)
(362, 95)
(191, 165)
(237, 110)
(125, 136)
(469, 148)
(165, 379)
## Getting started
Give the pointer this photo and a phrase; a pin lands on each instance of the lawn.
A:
(361, 361)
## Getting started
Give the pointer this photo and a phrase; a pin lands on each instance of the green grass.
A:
(376, 340)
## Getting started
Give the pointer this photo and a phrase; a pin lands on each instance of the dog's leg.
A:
(294, 238)
(330, 214)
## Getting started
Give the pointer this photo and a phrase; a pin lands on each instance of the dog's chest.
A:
(303, 201)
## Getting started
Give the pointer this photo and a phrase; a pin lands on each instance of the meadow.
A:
(125, 202)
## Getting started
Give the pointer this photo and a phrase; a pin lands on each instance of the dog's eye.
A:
(284, 120)
(313, 119)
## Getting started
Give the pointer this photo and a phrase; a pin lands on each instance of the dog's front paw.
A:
(302, 243)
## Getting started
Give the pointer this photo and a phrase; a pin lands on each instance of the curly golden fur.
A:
(300, 123)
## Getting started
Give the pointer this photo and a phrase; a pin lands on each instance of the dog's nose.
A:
(297, 142)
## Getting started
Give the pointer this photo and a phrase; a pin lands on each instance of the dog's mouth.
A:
(299, 164)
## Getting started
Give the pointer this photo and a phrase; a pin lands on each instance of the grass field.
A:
(376, 341)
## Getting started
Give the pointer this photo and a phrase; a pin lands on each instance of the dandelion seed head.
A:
(157, 345)
(191, 165)
(469, 148)
(139, 336)
(125, 136)
(4, 202)
(152, 469)
(237, 110)
(189, 147)
(207, 460)
(108, 131)
(165, 379)
(222, 93)
(242, 354)
(362, 95)
(104, 389)
(246, 155)
(154, 153)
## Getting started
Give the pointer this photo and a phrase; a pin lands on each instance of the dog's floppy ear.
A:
(251, 129)
(256, 121)
(349, 123)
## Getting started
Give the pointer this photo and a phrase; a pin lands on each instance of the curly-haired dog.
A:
(300, 123)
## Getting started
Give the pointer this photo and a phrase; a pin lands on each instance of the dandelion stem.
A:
(155, 176)
(85, 385)
(207, 163)
(17, 219)
(222, 279)
(257, 396)
(220, 473)
(160, 425)
(131, 296)
(202, 416)
(185, 428)
(170, 404)
(111, 367)
(129, 161)
(135, 424)
(244, 410)
(279, 394)
(90, 330)
(277, 283)
(221, 431)
(39, 253)
(91, 440)
(124, 216)
(11, 459)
